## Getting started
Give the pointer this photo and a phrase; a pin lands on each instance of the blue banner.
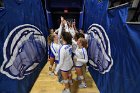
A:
(81, 20)
(49, 19)
(23, 46)
(94, 12)
(114, 51)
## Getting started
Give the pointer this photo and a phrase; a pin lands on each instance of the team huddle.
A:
(67, 49)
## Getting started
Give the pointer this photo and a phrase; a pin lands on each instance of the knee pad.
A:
(81, 77)
(66, 81)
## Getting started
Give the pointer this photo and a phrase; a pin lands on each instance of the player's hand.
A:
(55, 73)
(62, 18)
(64, 21)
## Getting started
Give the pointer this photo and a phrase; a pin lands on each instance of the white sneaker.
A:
(66, 91)
(82, 85)
(51, 73)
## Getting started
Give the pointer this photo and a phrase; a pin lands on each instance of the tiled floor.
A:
(49, 84)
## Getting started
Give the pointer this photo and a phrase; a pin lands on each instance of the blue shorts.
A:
(51, 54)
(65, 71)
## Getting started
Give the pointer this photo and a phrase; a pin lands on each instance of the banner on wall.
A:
(114, 50)
(94, 12)
(23, 35)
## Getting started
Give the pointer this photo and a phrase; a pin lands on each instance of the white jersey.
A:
(65, 59)
(72, 32)
(81, 55)
(55, 49)
(74, 45)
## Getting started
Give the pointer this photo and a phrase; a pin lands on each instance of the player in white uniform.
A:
(75, 39)
(86, 36)
(74, 44)
(55, 46)
(80, 59)
(51, 55)
(65, 60)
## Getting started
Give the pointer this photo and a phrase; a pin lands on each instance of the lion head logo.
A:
(99, 51)
(24, 48)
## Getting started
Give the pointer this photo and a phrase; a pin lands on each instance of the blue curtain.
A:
(22, 44)
(113, 51)
(94, 12)
(49, 19)
(81, 20)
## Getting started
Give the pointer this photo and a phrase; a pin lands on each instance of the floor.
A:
(49, 84)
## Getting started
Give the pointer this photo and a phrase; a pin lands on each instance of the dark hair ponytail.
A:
(67, 37)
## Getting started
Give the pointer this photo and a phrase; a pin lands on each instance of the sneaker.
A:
(66, 91)
(82, 85)
(51, 73)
